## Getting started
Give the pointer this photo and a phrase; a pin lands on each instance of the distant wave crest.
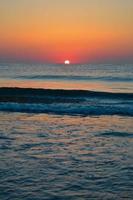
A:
(78, 78)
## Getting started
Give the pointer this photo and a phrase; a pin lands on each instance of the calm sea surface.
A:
(114, 78)
(62, 144)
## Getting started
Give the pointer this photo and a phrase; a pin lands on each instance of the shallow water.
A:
(65, 157)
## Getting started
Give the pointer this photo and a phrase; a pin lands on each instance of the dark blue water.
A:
(66, 102)
(69, 135)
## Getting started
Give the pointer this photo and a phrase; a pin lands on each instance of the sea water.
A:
(102, 77)
(67, 133)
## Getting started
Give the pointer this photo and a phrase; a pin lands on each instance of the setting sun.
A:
(67, 62)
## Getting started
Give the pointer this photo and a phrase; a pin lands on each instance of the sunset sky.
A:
(82, 31)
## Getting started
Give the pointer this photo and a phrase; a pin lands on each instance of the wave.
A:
(43, 93)
(70, 102)
(63, 109)
(78, 78)
(117, 134)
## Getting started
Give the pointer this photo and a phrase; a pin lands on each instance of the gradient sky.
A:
(82, 31)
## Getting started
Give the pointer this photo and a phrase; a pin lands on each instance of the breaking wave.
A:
(69, 102)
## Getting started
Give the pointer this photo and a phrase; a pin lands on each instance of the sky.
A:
(51, 31)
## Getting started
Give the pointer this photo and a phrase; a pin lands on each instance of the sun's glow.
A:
(67, 62)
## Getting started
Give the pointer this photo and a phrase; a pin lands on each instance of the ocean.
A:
(66, 132)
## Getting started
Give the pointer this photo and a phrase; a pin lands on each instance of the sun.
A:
(66, 62)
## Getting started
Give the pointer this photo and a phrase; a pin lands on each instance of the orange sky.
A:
(55, 30)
